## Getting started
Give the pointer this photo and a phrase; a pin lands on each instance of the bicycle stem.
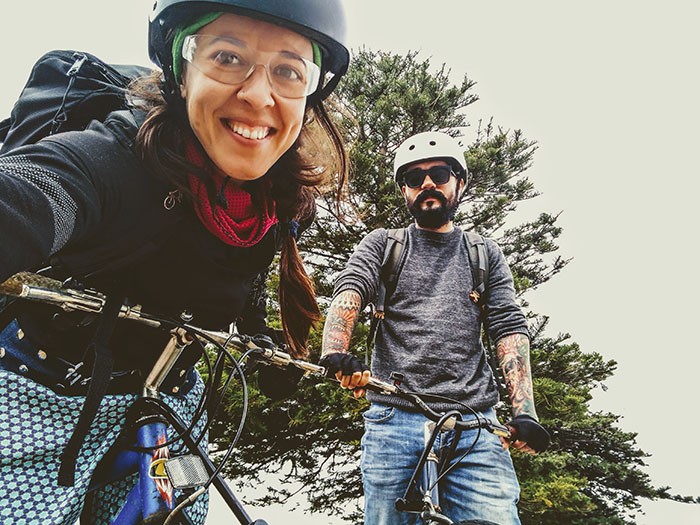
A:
(179, 340)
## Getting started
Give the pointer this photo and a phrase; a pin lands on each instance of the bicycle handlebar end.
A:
(13, 286)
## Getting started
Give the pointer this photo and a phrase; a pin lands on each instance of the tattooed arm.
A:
(514, 357)
(341, 319)
(340, 322)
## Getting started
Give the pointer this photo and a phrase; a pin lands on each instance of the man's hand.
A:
(352, 373)
(530, 436)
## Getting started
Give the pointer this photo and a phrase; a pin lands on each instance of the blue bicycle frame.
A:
(153, 493)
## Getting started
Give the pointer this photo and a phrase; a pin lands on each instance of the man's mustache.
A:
(431, 194)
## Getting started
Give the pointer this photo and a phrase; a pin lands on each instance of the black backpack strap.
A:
(479, 263)
(101, 373)
(391, 264)
(388, 276)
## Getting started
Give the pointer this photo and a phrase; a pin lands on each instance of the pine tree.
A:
(592, 474)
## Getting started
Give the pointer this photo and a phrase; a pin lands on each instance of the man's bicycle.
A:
(166, 485)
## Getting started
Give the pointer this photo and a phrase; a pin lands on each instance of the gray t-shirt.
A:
(431, 330)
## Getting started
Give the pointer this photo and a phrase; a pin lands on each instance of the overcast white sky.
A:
(609, 90)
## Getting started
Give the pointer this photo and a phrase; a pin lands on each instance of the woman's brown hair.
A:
(294, 179)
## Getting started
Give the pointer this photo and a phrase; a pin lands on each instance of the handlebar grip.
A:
(15, 284)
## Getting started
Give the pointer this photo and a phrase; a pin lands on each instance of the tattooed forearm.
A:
(340, 322)
(514, 358)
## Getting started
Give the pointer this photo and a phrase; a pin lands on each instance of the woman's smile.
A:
(249, 132)
(245, 128)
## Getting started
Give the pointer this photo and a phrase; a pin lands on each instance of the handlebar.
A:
(35, 287)
(279, 358)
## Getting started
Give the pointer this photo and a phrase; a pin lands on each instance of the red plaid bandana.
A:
(234, 218)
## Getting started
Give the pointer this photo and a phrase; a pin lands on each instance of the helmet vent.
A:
(412, 147)
(432, 143)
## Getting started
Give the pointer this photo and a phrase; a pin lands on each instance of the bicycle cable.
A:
(477, 415)
(206, 399)
(208, 388)
(165, 410)
(238, 373)
(244, 412)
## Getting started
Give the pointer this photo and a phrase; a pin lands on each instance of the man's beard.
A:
(436, 216)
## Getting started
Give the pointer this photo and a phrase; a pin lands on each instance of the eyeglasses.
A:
(438, 174)
(230, 61)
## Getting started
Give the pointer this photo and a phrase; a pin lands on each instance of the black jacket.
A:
(83, 201)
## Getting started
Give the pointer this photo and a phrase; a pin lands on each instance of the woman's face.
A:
(245, 128)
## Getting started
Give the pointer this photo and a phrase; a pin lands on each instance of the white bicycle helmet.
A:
(428, 146)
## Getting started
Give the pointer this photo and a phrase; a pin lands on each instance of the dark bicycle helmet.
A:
(322, 21)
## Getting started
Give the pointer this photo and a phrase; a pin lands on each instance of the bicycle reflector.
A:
(186, 472)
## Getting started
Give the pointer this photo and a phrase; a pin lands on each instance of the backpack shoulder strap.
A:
(393, 257)
(479, 262)
(388, 276)
(99, 381)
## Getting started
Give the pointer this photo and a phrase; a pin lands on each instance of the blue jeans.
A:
(483, 485)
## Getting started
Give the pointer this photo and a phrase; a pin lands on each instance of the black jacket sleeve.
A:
(63, 189)
(47, 199)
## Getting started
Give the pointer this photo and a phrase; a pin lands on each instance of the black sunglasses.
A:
(438, 174)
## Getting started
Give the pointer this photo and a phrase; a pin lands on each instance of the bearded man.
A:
(431, 334)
